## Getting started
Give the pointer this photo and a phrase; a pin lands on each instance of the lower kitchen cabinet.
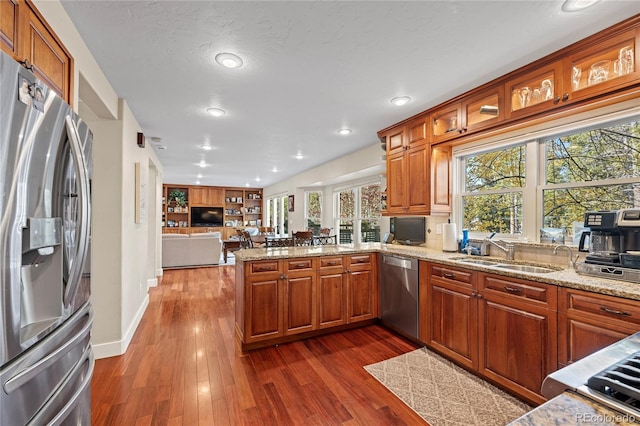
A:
(588, 322)
(452, 309)
(503, 328)
(518, 333)
(276, 300)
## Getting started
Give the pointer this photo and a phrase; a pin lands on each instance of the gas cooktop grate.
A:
(621, 381)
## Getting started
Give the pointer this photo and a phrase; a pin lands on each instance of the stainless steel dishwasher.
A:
(399, 302)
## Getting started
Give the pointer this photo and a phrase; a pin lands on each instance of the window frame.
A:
(357, 218)
(535, 165)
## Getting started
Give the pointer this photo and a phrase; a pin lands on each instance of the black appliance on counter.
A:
(613, 244)
(610, 377)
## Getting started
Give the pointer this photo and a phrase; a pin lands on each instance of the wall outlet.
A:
(438, 229)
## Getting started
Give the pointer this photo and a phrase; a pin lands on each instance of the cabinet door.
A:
(454, 326)
(518, 333)
(362, 300)
(9, 26)
(299, 307)
(483, 110)
(441, 179)
(396, 172)
(417, 132)
(534, 92)
(263, 307)
(446, 123)
(331, 298)
(395, 140)
(417, 179)
(588, 322)
(602, 67)
(51, 62)
(198, 196)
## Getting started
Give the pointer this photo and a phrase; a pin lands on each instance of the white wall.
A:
(124, 259)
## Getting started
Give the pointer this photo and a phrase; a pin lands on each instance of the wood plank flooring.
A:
(183, 367)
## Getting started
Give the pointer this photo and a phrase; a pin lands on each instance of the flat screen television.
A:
(207, 216)
(409, 230)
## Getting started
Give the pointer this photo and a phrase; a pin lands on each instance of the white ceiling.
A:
(310, 68)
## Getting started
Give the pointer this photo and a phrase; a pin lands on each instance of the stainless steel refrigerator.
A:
(46, 361)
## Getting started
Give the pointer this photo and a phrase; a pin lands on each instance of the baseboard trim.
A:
(152, 282)
(119, 347)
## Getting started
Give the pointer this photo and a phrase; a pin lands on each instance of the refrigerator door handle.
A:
(83, 183)
(30, 372)
(70, 405)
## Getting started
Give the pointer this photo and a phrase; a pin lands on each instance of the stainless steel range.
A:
(610, 376)
(613, 245)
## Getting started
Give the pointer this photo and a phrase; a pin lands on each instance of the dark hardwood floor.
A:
(183, 367)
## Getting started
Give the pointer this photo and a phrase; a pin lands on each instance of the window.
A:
(359, 213)
(278, 214)
(313, 210)
(549, 180)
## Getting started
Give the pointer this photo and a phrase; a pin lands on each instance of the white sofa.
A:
(188, 250)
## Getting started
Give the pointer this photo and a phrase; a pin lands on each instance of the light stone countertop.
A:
(563, 278)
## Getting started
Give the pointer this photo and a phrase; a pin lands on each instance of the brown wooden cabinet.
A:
(537, 90)
(206, 196)
(26, 36)
(518, 333)
(452, 309)
(9, 26)
(588, 322)
(503, 328)
(362, 297)
(332, 306)
(408, 179)
(283, 300)
(441, 179)
(300, 296)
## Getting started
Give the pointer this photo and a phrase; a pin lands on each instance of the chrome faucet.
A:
(508, 248)
(572, 260)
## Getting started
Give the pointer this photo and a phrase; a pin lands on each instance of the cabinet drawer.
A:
(520, 289)
(598, 306)
(360, 259)
(267, 266)
(330, 262)
(298, 265)
(454, 274)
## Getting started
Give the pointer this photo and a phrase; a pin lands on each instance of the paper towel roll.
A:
(449, 237)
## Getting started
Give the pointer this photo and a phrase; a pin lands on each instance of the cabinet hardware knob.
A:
(514, 290)
(449, 275)
(479, 296)
(556, 99)
(565, 97)
(614, 312)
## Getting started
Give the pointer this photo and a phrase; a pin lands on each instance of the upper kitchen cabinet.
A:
(26, 36)
(603, 67)
(535, 91)
(441, 179)
(407, 168)
(8, 26)
(474, 112)
(402, 138)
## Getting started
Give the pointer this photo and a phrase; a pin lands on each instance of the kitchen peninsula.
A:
(475, 314)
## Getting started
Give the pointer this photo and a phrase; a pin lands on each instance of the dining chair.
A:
(267, 230)
(280, 242)
(245, 239)
(303, 238)
(325, 240)
(325, 232)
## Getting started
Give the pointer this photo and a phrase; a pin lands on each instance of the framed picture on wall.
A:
(291, 206)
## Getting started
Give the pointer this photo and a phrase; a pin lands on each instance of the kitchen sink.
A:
(478, 262)
(526, 268)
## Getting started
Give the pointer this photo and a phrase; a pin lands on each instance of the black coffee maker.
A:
(603, 240)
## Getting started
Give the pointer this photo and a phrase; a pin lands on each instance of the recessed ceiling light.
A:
(257, 178)
(202, 164)
(576, 5)
(206, 147)
(216, 112)
(229, 60)
(299, 156)
(199, 176)
(197, 182)
(401, 100)
(162, 147)
(275, 169)
(344, 132)
(246, 184)
(155, 139)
